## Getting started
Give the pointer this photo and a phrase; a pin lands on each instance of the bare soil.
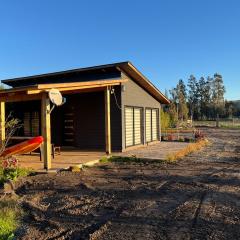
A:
(196, 198)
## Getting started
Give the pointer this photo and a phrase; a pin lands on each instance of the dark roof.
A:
(126, 67)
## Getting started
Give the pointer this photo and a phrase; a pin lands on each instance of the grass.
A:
(10, 211)
(132, 159)
(190, 148)
(9, 218)
(230, 126)
(20, 172)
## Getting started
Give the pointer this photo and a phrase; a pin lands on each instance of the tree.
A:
(182, 88)
(173, 114)
(204, 92)
(193, 96)
(218, 96)
(229, 108)
(183, 108)
(178, 96)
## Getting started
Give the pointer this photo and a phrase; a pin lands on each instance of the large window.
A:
(133, 126)
(151, 124)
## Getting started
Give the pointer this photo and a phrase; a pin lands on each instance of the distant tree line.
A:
(200, 99)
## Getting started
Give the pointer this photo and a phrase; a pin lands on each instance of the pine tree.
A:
(193, 96)
(218, 96)
(208, 98)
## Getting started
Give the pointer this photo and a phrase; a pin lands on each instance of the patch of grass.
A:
(230, 126)
(104, 160)
(132, 159)
(190, 148)
(16, 173)
(9, 218)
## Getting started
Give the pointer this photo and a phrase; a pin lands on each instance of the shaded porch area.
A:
(84, 121)
(67, 158)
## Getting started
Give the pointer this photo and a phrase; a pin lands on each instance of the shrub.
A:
(190, 148)
(165, 120)
(170, 137)
(198, 134)
(11, 171)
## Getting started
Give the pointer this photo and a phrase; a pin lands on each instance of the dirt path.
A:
(197, 198)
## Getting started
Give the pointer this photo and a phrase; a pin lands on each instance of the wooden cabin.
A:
(112, 107)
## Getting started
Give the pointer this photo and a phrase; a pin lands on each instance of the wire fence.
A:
(224, 123)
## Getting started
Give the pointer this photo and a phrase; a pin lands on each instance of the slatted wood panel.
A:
(129, 126)
(31, 124)
(35, 123)
(137, 126)
(154, 125)
(26, 124)
(68, 131)
(148, 127)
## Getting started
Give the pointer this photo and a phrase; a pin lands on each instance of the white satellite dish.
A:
(55, 97)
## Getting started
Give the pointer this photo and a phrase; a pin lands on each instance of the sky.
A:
(166, 40)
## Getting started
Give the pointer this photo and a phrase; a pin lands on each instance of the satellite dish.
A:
(55, 97)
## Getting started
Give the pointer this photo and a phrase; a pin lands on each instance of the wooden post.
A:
(107, 121)
(2, 122)
(46, 130)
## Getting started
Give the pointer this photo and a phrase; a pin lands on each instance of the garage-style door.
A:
(151, 121)
(133, 126)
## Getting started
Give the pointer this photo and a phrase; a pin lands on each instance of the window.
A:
(133, 126)
(151, 124)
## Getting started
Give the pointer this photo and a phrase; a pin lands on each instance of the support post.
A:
(46, 131)
(107, 121)
(2, 122)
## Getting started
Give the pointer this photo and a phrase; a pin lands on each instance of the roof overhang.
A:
(131, 71)
(126, 67)
(35, 92)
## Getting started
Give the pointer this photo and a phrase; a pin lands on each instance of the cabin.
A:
(112, 107)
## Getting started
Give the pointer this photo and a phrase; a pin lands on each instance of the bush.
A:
(165, 120)
(11, 171)
(190, 148)
(198, 134)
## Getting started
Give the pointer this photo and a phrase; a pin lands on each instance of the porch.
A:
(67, 158)
(47, 123)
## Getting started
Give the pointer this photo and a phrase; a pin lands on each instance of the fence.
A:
(224, 122)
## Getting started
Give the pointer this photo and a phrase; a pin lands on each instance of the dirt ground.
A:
(197, 198)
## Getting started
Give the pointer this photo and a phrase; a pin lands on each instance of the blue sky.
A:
(165, 39)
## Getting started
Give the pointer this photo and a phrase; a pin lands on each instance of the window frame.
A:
(157, 110)
(141, 125)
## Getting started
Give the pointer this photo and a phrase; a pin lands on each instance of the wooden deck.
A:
(64, 160)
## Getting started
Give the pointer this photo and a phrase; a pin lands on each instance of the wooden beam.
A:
(64, 89)
(18, 97)
(2, 122)
(107, 121)
(78, 84)
(46, 130)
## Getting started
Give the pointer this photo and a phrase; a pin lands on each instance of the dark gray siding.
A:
(116, 124)
(134, 95)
